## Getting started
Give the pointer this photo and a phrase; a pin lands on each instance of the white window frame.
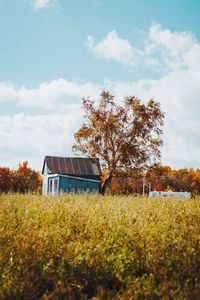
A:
(53, 185)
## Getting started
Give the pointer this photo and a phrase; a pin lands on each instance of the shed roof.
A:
(76, 166)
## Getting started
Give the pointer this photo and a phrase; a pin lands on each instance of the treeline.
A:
(23, 180)
(157, 178)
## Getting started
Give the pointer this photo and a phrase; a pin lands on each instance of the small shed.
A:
(70, 175)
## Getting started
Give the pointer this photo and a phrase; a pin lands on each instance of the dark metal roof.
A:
(72, 166)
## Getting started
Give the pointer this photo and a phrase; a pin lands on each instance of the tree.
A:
(158, 177)
(26, 180)
(5, 180)
(121, 136)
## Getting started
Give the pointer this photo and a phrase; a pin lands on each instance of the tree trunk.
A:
(106, 183)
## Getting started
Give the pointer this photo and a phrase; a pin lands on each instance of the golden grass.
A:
(81, 246)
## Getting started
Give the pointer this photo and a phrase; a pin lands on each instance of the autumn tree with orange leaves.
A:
(6, 180)
(122, 136)
(22, 180)
(25, 179)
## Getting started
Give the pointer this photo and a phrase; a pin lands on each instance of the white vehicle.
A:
(185, 195)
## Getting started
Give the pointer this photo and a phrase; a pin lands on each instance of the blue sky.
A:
(54, 52)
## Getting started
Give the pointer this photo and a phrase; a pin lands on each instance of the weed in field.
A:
(78, 247)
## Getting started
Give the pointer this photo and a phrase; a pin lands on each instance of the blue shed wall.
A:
(75, 185)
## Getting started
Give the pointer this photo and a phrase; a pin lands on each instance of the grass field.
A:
(79, 247)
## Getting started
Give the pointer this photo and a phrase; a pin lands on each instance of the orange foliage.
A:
(5, 180)
(158, 187)
(104, 174)
(164, 178)
(22, 180)
(120, 135)
(158, 178)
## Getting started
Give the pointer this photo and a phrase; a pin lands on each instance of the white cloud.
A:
(50, 96)
(32, 137)
(178, 53)
(42, 4)
(7, 92)
(56, 94)
(177, 43)
(112, 47)
(179, 95)
(174, 50)
(163, 50)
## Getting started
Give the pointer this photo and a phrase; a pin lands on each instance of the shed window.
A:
(53, 186)
(50, 185)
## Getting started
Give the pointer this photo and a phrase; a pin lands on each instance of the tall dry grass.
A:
(78, 247)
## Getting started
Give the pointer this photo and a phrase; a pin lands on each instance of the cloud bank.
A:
(177, 54)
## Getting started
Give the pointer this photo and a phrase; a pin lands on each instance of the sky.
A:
(55, 52)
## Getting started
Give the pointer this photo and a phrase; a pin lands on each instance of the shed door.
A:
(53, 186)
